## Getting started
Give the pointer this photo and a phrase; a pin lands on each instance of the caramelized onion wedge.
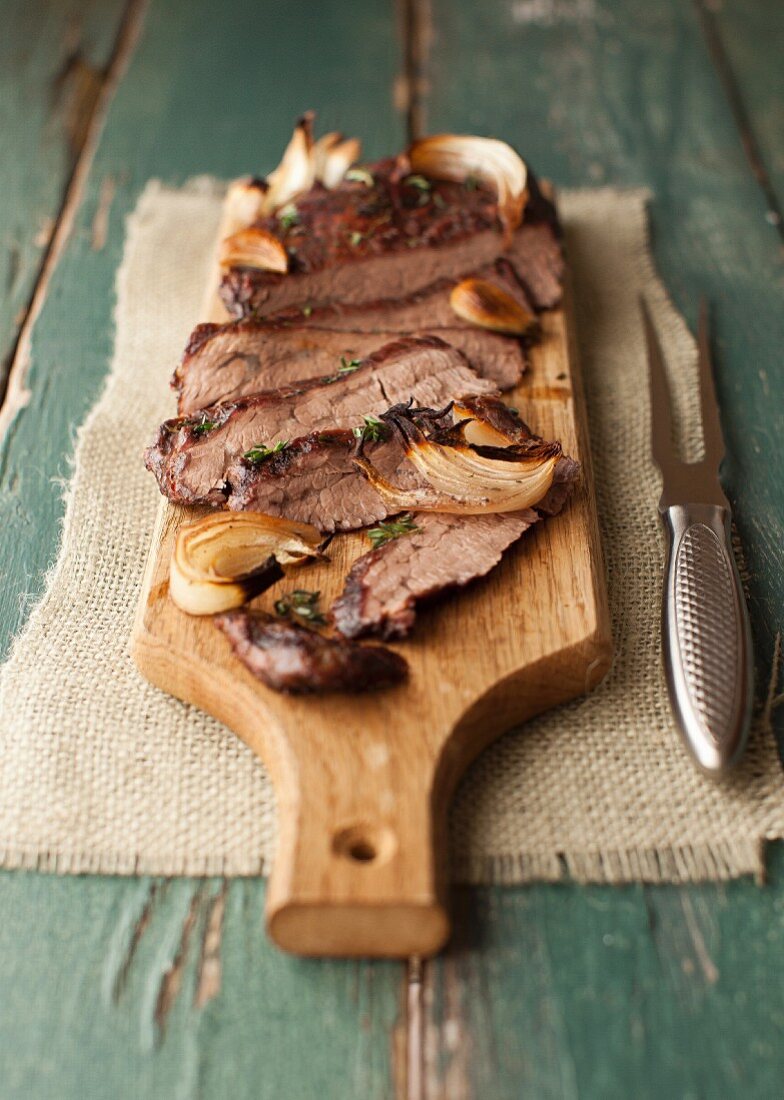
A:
(461, 479)
(296, 171)
(458, 157)
(254, 247)
(480, 432)
(223, 560)
(333, 156)
(486, 305)
(245, 201)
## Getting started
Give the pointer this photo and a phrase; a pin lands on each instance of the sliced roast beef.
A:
(190, 455)
(291, 658)
(225, 362)
(537, 257)
(314, 480)
(358, 243)
(443, 552)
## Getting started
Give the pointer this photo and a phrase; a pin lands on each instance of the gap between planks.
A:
(412, 85)
(729, 82)
(84, 134)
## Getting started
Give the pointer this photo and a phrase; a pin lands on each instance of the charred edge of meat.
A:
(348, 611)
(280, 462)
(200, 335)
(540, 208)
(416, 425)
(217, 415)
(292, 659)
(494, 412)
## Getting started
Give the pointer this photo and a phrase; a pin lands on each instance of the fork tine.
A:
(661, 412)
(709, 406)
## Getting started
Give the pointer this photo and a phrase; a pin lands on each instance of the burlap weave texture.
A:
(100, 772)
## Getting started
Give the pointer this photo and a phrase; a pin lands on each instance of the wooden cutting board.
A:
(363, 782)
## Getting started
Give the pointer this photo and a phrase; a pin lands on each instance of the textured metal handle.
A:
(707, 648)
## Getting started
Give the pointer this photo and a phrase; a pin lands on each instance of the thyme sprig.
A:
(303, 604)
(373, 430)
(288, 216)
(260, 453)
(348, 366)
(422, 185)
(360, 175)
(392, 529)
(203, 426)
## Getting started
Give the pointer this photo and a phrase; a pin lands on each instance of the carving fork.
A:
(705, 623)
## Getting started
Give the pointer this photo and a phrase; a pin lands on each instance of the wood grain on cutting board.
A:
(363, 781)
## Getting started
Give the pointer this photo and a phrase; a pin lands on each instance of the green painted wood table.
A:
(140, 988)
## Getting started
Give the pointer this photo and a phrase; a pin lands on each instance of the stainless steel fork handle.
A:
(707, 645)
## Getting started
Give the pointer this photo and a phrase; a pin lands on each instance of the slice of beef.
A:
(357, 244)
(225, 362)
(290, 658)
(190, 455)
(314, 480)
(406, 246)
(385, 585)
(536, 254)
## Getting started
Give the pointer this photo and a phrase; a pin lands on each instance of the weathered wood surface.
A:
(53, 61)
(550, 991)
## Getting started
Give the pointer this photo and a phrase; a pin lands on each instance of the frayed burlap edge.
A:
(222, 821)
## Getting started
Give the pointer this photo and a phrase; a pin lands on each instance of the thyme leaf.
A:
(303, 604)
(373, 431)
(419, 182)
(392, 529)
(348, 366)
(288, 216)
(203, 426)
(360, 175)
(355, 238)
(260, 453)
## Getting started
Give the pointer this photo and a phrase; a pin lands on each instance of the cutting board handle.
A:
(355, 871)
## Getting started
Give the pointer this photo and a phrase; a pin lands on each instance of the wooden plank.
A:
(566, 991)
(601, 93)
(171, 120)
(747, 43)
(103, 998)
(193, 101)
(609, 992)
(53, 58)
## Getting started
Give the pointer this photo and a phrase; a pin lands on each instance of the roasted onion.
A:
(333, 156)
(486, 305)
(244, 204)
(460, 157)
(226, 558)
(296, 172)
(463, 477)
(254, 247)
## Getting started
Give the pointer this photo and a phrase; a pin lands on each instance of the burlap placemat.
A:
(100, 772)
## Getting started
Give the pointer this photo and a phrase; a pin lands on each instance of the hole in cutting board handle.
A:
(365, 844)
